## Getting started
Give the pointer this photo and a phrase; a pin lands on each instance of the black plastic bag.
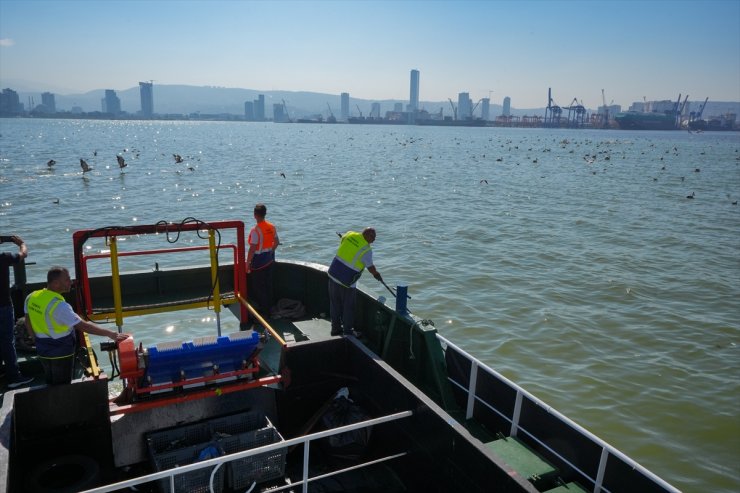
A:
(350, 445)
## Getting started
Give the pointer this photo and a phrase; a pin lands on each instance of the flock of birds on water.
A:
(589, 158)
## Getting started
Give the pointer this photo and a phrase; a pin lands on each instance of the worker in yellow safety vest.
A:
(52, 322)
(355, 253)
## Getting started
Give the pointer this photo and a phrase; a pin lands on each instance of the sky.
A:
(630, 49)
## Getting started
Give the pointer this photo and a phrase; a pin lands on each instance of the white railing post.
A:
(517, 413)
(471, 389)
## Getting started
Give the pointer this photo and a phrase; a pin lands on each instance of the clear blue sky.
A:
(631, 49)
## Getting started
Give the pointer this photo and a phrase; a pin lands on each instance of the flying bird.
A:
(178, 158)
(121, 162)
(484, 181)
(282, 174)
(85, 167)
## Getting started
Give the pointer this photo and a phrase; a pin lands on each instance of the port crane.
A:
(285, 109)
(472, 111)
(697, 115)
(359, 110)
(332, 118)
(454, 109)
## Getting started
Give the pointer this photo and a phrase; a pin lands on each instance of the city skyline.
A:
(632, 50)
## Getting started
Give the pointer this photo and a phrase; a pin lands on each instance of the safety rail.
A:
(84, 298)
(87, 294)
(521, 394)
(305, 440)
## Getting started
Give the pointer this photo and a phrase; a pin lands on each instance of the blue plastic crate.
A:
(193, 481)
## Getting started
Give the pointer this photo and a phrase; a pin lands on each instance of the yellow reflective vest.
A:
(347, 266)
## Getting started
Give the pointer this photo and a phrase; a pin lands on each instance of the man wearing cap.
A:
(353, 255)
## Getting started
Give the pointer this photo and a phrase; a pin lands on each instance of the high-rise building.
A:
(259, 108)
(10, 103)
(279, 114)
(414, 92)
(485, 109)
(464, 106)
(249, 111)
(398, 107)
(49, 103)
(111, 103)
(146, 92)
(344, 106)
(507, 106)
(375, 110)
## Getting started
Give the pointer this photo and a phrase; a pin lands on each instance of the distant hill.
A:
(183, 99)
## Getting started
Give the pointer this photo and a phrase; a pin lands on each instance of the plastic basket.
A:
(258, 468)
(193, 481)
(178, 438)
(195, 433)
(237, 423)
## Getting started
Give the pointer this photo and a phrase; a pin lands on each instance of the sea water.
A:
(571, 261)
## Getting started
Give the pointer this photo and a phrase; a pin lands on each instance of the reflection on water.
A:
(571, 261)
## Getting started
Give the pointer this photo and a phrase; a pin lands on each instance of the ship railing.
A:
(607, 450)
(304, 440)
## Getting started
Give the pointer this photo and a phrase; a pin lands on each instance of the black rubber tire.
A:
(64, 474)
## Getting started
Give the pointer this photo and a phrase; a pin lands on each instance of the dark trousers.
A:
(58, 370)
(259, 287)
(341, 308)
(7, 342)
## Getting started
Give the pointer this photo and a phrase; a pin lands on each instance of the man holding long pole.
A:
(354, 254)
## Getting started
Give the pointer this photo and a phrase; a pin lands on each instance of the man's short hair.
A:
(260, 210)
(55, 273)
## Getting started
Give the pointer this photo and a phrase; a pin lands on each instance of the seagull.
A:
(121, 162)
(51, 163)
(690, 196)
(178, 158)
(282, 174)
(484, 181)
(56, 201)
(85, 167)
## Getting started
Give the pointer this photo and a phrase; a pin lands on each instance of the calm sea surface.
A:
(578, 268)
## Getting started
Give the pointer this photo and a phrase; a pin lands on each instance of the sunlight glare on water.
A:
(571, 261)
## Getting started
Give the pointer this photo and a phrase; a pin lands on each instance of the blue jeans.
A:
(7, 342)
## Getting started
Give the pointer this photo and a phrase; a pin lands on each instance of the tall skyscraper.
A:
(111, 103)
(464, 106)
(259, 108)
(414, 92)
(507, 106)
(50, 105)
(375, 110)
(249, 111)
(10, 103)
(146, 92)
(344, 106)
(485, 109)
